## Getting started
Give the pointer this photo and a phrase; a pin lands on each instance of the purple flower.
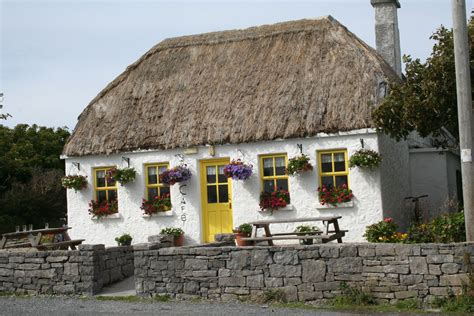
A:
(238, 170)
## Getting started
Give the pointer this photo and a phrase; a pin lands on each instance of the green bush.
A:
(245, 229)
(174, 231)
(449, 228)
(124, 240)
(384, 231)
(353, 296)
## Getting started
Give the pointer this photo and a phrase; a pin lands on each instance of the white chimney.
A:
(387, 37)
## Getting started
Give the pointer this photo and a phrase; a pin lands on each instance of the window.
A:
(273, 172)
(333, 169)
(105, 188)
(153, 185)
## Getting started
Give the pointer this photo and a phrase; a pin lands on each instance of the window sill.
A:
(159, 214)
(349, 204)
(112, 216)
(288, 207)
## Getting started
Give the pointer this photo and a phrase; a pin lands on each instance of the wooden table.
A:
(34, 239)
(324, 237)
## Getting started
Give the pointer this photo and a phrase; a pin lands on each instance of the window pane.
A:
(101, 196)
(223, 193)
(152, 192)
(340, 180)
(268, 186)
(282, 184)
(211, 174)
(211, 194)
(164, 190)
(280, 166)
(267, 167)
(326, 163)
(112, 194)
(339, 162)
(100, 175)
(152, 176)
(222, 178)
(327, 181)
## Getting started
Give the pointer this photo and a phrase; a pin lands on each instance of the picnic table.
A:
(33, 238)
(326, 236)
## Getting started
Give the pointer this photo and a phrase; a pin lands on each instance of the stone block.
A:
(439, 258)
(418, 265)
(405, 294)
(329, 251)
(239, 260)
(273, 282)
(17, 259)
(385, 250)
(64, 289)
(204, 274)
(255, 281)
(286, 257)
(434, 269)
(327, 286)
(348, 251)
(439, 291)
(195, 264)
(346, 264)
(410, 279)
(174, 288)
(313, 270)
(292, 281)
(85, 247)
(454, 280)
(191, 287)
(450, 268)
(290, 292)
(309, 254)
(237, 290)
(29, 266)
(232, 281)
(260, 257)
(6, 272)
(279, 270)
(403, 250)
(71, 269)
(57, 259)
(365, 251)
(224, 273)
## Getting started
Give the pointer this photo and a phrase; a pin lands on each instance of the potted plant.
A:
(307, 230)
(124, 240)
(76, 182)
(298, 164)
(274, 200)
(101, 209)
(122, 176)
(238, 170)
(365, 158)
(177, 233)
(334, 195)
(156, 204)
(244, 230)
(174, 175)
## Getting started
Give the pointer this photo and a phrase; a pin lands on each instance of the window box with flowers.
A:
(103, 209)
(339, 197)
(238, 170)
(275, 200)
(365, 158)
(158, 205)
(175, 175)
(76, 182)
(122, 176)
(298, 165)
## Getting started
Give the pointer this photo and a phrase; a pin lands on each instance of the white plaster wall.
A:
(365, 184)
(395, 179)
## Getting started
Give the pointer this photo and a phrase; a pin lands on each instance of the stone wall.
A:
(84, 271)
(304, 273)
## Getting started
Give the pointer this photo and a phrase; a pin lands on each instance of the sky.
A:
(56, 56)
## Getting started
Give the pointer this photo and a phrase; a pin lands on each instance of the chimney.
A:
(387, 37)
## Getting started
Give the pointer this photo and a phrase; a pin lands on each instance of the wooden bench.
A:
(324, 237)
(64, 245)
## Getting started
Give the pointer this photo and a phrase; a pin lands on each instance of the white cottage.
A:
(263, 95)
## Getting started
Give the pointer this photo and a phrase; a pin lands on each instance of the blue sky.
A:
(56, 56)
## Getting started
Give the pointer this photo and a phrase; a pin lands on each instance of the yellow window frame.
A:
(107, 187)
(333, 173)
(158, 185)
(274, 177)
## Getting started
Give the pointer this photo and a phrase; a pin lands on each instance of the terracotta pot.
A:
(240, 242)
(179, 241)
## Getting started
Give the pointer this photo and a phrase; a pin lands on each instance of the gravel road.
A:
(77, 306)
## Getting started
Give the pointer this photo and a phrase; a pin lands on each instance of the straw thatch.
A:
(287, 80)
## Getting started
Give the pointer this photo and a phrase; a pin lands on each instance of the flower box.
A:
(122, 176)
(298, 165)
(76, 182)
(157, 205)
(175, 175)
(238, 170)
(334, 196)
(275, 200)
(103, 209)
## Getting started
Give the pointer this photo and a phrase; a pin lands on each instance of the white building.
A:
(262, 95)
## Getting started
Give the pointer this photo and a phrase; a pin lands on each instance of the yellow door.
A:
(216, 196)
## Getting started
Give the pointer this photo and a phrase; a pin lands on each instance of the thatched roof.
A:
(287, 80)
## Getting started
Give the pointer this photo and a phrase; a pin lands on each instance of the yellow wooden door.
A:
(216, 196)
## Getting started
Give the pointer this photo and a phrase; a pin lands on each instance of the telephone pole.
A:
(464, 98)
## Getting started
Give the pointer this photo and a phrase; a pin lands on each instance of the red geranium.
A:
(274, 200)
(333, 195)
(104, 208)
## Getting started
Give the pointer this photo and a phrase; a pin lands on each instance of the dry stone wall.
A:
(389, 272)
(84, 271)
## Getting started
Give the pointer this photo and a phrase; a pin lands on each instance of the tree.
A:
(426, 101)
(30, 172)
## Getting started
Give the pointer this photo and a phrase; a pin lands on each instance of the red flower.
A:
(388, 220)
